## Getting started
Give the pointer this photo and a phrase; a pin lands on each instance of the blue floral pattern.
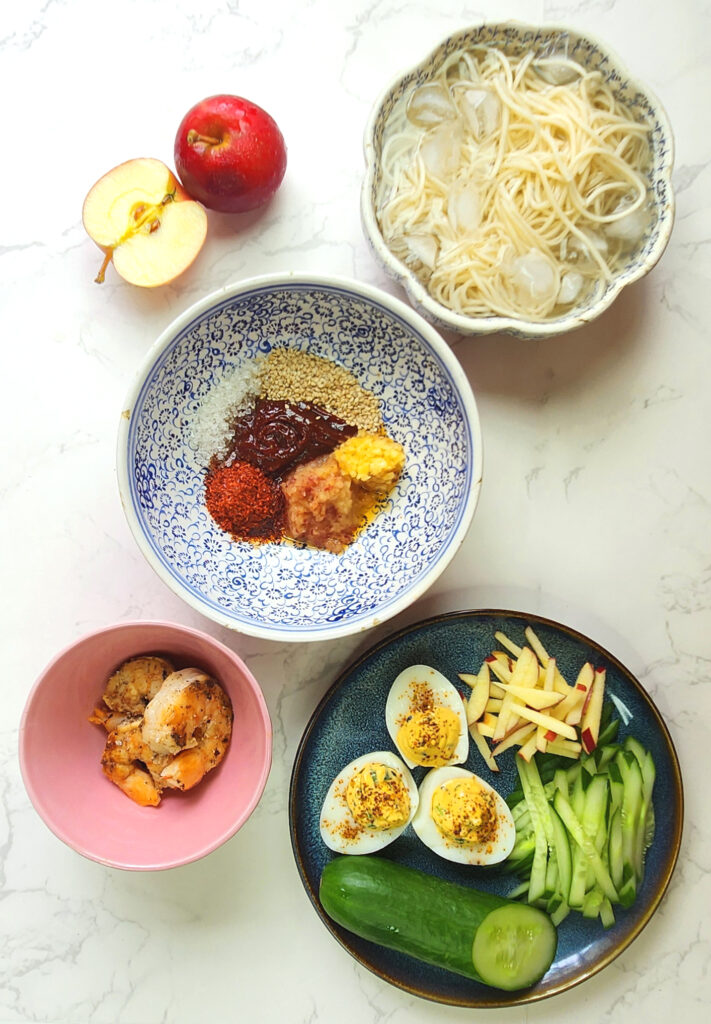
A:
(278, 587)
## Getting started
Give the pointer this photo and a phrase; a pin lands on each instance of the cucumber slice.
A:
(577, 794)
(573, 825)
(514, 947)
(608, 734)
(607, 914)
(592, 902)
(615, 853)
(552, 884)
(632, 824)
(603, 755)
(597, 817)
(560, 914)
(539, 869)
(561, 783)
(538, 808)
(578, 878)
(563, 858)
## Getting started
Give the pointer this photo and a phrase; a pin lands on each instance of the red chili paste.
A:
(277, 436)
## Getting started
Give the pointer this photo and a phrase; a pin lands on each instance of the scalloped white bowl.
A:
(514, 39)
(284, 591)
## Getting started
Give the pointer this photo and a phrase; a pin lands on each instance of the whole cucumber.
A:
(438, 921)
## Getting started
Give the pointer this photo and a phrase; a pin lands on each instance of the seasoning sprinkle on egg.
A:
(426, 719)
(462, 819)
(369, 804)
(464, 811)
(377, 797)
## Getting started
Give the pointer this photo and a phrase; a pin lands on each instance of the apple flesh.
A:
(476, 706)
(590, 724)
(144, 221)
(229, 154)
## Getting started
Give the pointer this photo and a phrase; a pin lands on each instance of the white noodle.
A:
(564, 161)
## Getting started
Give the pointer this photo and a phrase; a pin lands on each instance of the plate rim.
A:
(528, 995)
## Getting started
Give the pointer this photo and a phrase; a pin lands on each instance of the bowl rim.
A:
(36, 798)
(448, 319)
(442, 351)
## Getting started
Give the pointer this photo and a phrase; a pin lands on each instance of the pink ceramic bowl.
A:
(60, 753)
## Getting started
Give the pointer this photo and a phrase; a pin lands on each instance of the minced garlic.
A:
(374, 461)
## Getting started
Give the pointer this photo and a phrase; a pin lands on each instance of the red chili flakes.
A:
(244, 502)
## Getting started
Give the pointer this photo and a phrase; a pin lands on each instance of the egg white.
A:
(335, 813)
(402, 697)
(471, 853)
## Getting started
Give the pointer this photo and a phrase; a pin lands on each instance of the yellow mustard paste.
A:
(464, 811)
(378, 797)
(429, 737)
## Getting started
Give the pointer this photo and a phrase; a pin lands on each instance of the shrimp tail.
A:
(185, 770)
(141, 788)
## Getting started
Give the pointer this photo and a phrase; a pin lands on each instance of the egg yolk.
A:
(378, 797)
(429, 737)
(464, 812)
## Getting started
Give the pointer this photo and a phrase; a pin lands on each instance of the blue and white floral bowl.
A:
(516, 39)
(284, 591)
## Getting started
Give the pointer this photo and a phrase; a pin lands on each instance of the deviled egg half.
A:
(462, 819)
(369, 804)
(426, 718)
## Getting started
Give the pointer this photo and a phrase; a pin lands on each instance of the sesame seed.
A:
(294, 376)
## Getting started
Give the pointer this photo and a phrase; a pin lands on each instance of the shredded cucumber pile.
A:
(582, 834)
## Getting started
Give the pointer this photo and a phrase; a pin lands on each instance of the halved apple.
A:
(141, 218)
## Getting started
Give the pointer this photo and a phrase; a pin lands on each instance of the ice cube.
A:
(630, 227)
(580, 251)
(482, 111)
(570, 286)
(440, 150)
(430, 105)
(534, 277)
(464, 207)
(556, 71)
(423, 249)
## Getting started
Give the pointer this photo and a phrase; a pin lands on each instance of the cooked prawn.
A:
(101, 715)
(189, 720)
(132, 765)
(134, 684)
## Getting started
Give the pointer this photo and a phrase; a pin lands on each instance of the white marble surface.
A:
(595, 509)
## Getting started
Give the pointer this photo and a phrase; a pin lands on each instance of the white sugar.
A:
(232, 396)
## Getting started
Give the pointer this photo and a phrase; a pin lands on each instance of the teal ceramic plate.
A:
(350, 721)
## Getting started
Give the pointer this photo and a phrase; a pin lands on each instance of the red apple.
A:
(229, 154)
(144, 222)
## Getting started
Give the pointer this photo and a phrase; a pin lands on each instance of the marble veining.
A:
(594, 509)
